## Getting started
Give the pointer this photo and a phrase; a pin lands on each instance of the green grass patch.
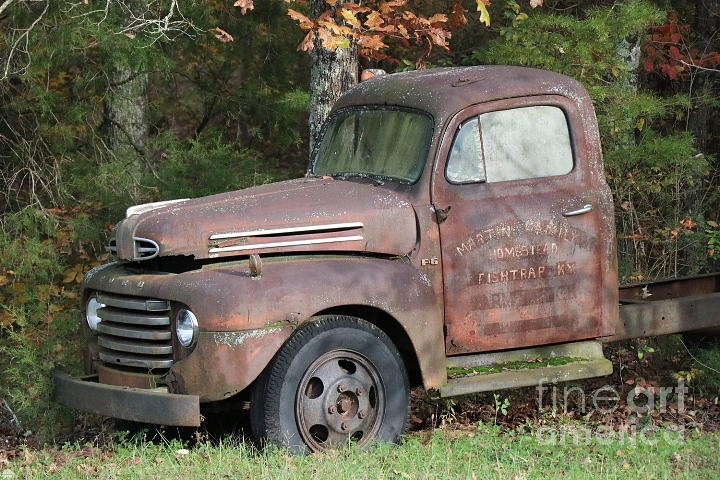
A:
(481, 452)
(484, 370)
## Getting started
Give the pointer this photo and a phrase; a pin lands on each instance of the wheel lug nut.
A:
(343, 426)
(341, 388)
(361, 414)
(359, 391)
(332, 409)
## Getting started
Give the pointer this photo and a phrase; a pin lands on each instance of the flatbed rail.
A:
(668, 306)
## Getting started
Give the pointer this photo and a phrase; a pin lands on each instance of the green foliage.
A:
(584, 48)
(205, 167)
(706, 359)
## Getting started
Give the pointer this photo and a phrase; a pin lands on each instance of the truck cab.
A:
(449, 218)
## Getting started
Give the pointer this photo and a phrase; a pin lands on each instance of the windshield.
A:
(377, 142)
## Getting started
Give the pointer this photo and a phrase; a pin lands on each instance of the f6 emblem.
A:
(429, 261)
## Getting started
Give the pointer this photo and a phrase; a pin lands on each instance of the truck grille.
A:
(134, 332)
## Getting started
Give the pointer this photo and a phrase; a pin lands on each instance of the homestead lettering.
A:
(519, 251)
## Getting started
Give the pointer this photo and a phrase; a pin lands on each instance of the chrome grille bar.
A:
(133, 303)
(129, 332)
(135, 361)
(134, 331)
(134, 347)
(120, 316)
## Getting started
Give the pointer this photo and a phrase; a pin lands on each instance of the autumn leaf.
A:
(350, 18)
(689, 223)
(307, 42)
(74, 274)
(222, 35)
(484, 14)
(305, 22)
(438, 18)
(457, 17)
(373, 42)
(374, 20)
(244, 5)
(392, 5)
(536, 3)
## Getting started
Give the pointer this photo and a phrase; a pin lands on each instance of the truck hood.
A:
(303, 215)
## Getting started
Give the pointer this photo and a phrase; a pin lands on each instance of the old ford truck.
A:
(449, 218)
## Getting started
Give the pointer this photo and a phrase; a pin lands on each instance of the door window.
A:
(515, 144)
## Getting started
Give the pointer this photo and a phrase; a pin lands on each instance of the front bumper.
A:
(135, 404)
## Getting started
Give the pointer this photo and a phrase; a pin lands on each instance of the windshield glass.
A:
(378, 142)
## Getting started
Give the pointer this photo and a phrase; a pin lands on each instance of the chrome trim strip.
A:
(275, 231)
(146, 207)
(140, 250)
(121, 316)
(293, 243)
(133, 361)
(139, 333)
(133, 303)
(134, 347)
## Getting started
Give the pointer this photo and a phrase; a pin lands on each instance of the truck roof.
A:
(442, 92)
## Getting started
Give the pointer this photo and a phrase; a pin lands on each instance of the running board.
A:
(584, 360)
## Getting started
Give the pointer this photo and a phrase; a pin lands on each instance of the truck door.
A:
(519, 226)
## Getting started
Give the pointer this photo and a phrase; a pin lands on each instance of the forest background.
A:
(109, 103)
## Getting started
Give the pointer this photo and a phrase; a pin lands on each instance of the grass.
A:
(456, 371)
(482, 451)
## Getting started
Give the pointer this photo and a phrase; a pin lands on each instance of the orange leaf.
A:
(222, 35)
(307, 42)
(689, 223)
(295, 15)
(438, 18)
(392, 5)
(244, 5)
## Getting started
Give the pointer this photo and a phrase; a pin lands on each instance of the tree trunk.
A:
(127, 109)
(705, 84)
(331, 75)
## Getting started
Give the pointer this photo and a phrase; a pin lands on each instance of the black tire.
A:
(338, 363)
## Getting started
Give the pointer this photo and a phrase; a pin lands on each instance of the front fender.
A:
(228, 301)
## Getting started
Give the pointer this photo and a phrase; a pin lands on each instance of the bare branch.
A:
(705, 69)
(4, 5)
(149, 20)
(21, 45)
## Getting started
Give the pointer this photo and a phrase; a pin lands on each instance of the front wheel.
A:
(338, 379)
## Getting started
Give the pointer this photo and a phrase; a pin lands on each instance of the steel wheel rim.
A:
(341, 398)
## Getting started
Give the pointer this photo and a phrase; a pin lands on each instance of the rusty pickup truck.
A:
(449, 218)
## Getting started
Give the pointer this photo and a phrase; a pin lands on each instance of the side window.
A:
(526, 142)
(465, 163)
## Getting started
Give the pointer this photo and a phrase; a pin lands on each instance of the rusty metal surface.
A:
(125, 378)
(228, 300)
(381, 221)
(527, 377)
(673, 288)
(517, 271)
(662, 317)
(133, 404)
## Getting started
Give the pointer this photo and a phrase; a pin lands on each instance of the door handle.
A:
(580, 211)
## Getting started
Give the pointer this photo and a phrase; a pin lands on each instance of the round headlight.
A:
(186, 327)
(91, 313)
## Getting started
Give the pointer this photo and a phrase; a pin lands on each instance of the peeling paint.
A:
(236, 339)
